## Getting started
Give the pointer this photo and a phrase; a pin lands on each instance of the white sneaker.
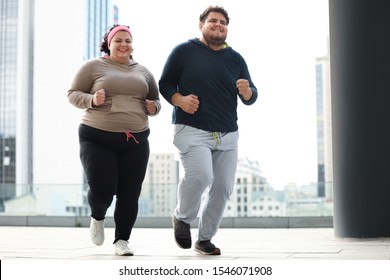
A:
(96, 231)
(122, 248)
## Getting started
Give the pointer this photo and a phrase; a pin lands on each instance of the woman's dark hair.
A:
(104, 44)
(215, 9)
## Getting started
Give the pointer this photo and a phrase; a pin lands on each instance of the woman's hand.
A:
(99, 97)
(151, 106)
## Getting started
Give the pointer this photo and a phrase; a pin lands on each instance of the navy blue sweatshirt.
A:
(194, 68)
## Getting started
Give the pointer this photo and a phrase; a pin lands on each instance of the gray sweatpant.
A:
(209, 161)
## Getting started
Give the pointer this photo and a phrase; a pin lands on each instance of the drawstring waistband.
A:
(217, 138)
(129, 135)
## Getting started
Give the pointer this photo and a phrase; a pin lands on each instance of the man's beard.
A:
(215, 41)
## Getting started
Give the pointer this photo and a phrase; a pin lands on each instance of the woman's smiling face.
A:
(121, 47)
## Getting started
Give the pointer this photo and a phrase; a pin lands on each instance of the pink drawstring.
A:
(129, 135)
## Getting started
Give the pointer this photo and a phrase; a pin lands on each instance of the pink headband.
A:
(115, 30)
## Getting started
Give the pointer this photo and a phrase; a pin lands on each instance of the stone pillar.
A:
(360, 86)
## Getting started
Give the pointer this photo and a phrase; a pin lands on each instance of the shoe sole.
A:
(125, 255)
(216, 252)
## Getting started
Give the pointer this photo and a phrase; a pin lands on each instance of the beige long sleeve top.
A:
(126, 87)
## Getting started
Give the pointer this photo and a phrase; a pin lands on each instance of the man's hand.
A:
(188, 103)
(244, 89)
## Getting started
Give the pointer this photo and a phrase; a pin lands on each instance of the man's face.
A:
(214, 29)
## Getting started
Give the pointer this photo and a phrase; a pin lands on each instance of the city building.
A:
(16, 96)
(43, 43)
(304, 201)
(159, 191)
(324, 127)
(252, 195)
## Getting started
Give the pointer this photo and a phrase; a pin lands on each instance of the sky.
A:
(279, 40)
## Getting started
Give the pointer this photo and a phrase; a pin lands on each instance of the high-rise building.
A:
(16, 47)
(42, 44)
(324, 127)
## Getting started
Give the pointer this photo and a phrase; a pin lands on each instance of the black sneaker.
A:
(206, 248)
(182, 233)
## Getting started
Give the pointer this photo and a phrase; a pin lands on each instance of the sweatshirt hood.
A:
(198, 42)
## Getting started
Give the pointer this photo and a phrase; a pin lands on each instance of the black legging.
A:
(114, 164)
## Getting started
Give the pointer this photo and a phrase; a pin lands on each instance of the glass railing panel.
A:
(159, 200)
